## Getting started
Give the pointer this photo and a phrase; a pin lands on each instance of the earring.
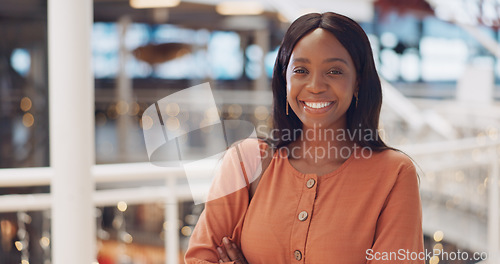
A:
(356, 96)
(286, 106)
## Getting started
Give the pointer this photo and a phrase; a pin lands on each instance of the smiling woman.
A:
(322, 198)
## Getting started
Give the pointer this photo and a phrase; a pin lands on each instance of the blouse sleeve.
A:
(398, 235)
(227, 204)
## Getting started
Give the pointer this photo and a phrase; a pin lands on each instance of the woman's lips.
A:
(317, 107)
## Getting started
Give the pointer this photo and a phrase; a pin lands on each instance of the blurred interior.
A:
(438, 61)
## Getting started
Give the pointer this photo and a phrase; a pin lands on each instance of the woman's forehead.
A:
(319, 44)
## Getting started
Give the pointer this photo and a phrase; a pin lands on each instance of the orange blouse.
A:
(366, 211)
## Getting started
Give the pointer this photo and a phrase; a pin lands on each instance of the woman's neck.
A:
(319, 145)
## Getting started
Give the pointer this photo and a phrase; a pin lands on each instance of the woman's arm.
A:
(227, 203)
(399, 226)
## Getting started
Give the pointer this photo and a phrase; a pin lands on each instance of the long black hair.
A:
(361, 119)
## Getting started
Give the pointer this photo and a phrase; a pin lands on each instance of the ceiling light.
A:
(239, 8)
(153, 3)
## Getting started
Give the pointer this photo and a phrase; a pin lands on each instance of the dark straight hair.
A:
(363, 119)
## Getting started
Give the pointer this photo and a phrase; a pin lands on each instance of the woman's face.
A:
(320, 81)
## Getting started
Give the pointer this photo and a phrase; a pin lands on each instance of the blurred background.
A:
(438, 61)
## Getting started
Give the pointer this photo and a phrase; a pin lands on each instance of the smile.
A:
(317, 105)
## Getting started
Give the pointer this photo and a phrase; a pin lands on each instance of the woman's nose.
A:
(316, 83)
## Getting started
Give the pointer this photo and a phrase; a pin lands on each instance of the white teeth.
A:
(317, 105)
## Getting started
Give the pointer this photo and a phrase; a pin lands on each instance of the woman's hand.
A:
(230, 252)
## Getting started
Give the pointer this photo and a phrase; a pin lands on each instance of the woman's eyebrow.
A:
(305, 60)
(335, 59)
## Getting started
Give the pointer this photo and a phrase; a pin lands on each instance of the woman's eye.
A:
(299, 71)
(335, 72)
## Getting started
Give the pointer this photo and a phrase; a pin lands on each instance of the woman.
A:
(333, 192)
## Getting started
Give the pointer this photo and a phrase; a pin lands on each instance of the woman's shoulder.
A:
(393, 154)
(391, 166)
(252, 153)
(391, 158)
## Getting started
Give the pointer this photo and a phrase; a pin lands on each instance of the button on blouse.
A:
(310, 183)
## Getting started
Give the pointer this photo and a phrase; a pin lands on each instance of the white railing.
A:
(111, 173)
(171, 193)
